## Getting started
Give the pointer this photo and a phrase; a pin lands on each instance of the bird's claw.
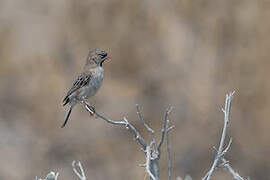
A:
(92, 110)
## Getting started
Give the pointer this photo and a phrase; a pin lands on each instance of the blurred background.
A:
(180, 52)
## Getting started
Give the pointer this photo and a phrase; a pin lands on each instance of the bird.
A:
(87, 83)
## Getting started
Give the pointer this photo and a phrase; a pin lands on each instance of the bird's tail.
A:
(67, 116)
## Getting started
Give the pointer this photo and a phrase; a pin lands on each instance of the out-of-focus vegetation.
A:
(182, 53)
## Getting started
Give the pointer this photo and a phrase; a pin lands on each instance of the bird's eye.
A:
(103, 54)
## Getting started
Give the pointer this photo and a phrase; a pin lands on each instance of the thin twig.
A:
(163, 131)
(228, 104)
(51, 176)
(125, 123)
(220, 151)
(169, 152)
(170, 128)
(152, 155)
(227, 148)
(147, 164)
(234, 174)
(152, 144)
(80, 175)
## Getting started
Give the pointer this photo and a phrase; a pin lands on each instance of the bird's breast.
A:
(94, 83)
(98, 76)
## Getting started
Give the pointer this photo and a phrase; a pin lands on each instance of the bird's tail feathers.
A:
(67, 116)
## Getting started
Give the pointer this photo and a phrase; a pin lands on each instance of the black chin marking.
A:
(101, 63)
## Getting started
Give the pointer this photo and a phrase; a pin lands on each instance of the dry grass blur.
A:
(182, 53)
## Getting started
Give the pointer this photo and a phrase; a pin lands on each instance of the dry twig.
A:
(220, 161)
(51, 176)
(152, 155)
(80, 174)
(169, 151)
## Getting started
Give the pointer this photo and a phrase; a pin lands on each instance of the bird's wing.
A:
(81, 81)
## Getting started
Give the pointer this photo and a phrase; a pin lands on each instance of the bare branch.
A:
(146, 126)
(234, 174)
(152, 155)
(163, 131)
(125, 123)
(228, 104)
(147, 164)
(80, 175)
(220, 152)
(51, 176)
(169, 152)
(227, 148)
(170, 128)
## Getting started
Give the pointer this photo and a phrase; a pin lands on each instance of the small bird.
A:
(88, 83)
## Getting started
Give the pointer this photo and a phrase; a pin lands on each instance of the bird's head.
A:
(97, 57)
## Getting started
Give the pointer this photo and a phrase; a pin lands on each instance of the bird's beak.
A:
(107, 57)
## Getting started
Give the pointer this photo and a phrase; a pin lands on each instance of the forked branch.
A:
(152, 154)
(220, 160)
(80, 172)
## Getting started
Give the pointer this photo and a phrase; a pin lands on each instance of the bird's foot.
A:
(91, 109)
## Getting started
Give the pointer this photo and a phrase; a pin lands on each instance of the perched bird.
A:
(88, 83)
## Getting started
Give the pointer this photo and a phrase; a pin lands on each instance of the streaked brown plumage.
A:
(88, 83)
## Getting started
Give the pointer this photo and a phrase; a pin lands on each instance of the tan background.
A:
(179, 52)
